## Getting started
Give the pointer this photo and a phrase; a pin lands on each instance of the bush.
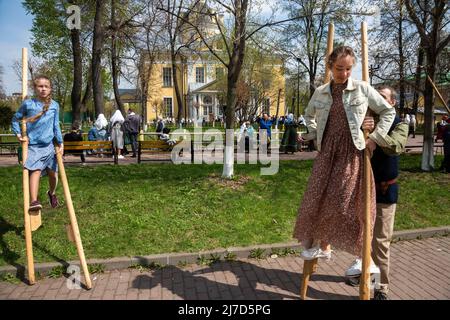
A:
(6, 115)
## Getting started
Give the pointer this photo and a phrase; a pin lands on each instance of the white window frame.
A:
(165, 113)
(169, 75)
(199, 77)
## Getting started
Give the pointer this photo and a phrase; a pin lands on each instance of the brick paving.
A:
(420, 269)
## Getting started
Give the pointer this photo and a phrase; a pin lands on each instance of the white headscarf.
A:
(101, 122)
(290, 116)
(117, 116)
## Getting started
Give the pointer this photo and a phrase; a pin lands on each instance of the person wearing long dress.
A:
(289, 140)
(332, 209)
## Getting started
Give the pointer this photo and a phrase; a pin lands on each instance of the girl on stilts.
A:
(42, 117)
(331, 212)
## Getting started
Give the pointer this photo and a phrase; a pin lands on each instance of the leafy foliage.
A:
(6, 115)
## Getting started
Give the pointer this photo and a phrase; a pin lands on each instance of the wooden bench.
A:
(100, 147)
(153, 146)
(438, 147)
(9, 148)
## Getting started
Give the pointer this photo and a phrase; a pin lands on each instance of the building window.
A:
(200, 75)
(207, 100)
(168, 108)
(167, 77)
(219, 73)
(207, 110)
(266, 106)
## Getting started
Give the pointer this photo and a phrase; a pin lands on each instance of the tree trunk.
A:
(87, 91)
(115, 63)
(234, 70)
(97, 47)
(176, 85)
(228, 164)
(401, 60)
(115, 75)
(428, 152)
(417, 78)
(77, 75)
(278, 106)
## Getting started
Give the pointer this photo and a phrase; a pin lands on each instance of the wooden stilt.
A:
(310, 266)
(438, 93)
(26, 178)
(69, 232)
(73, 219)
(26, 215)
(330, 40)
(364, 286)
(35, 220)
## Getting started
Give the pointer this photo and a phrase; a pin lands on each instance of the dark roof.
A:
(133, 92)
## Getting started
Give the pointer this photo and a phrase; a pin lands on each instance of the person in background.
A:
(116, 132)
(385, 166)
(133, 124)
(289, 140)
(75, 135)
(265, 123)
(159, 125)
(445, 165)
(412, 125)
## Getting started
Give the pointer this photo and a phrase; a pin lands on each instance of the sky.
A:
(15, 34)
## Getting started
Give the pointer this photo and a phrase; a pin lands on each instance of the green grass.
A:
(158, 208)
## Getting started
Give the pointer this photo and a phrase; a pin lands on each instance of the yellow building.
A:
(201, 80)
(203, 92)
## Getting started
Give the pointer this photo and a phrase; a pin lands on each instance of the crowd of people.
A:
(120, 130)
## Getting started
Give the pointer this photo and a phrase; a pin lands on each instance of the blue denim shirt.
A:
(44, 130)
(263, 124)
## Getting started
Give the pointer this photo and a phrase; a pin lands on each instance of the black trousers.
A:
(134, 143)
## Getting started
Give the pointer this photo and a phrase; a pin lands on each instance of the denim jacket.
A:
(44, 130)
(357, 97)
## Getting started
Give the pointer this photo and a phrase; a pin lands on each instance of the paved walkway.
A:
(419, 270)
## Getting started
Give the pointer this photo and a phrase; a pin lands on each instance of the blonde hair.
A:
(48, 100)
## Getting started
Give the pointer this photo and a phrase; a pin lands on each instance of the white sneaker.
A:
(355, 269)
(314, 253)
(121, 157)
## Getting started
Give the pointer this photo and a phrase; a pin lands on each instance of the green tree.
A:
(53, 42)
(6, 115)
(306, 38)
(434, 35)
